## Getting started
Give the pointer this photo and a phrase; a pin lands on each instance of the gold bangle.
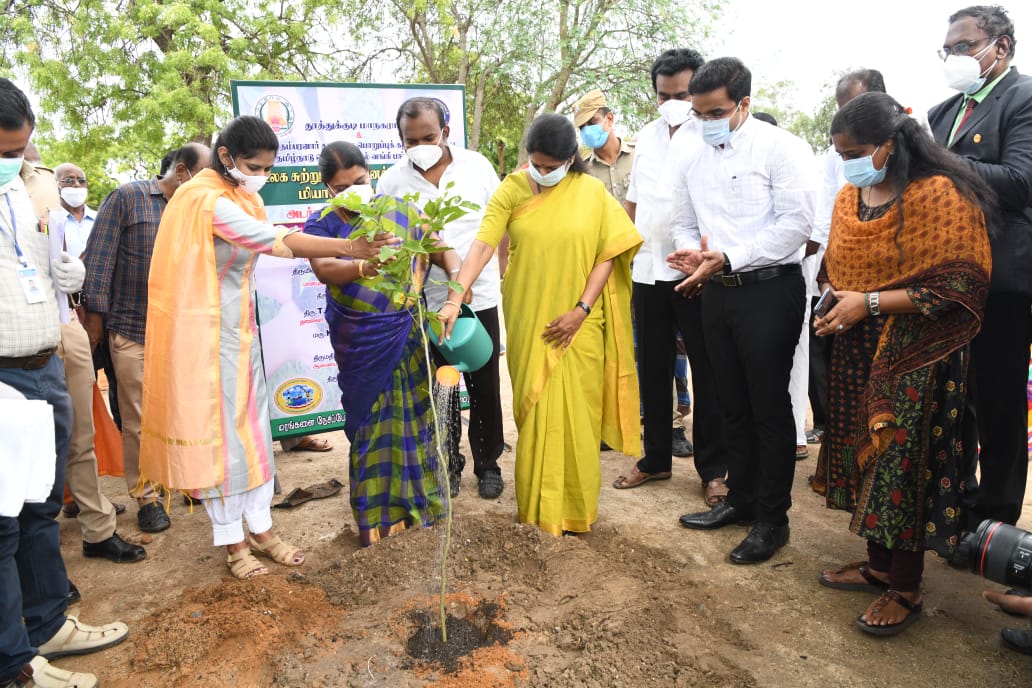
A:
(361, 268)
(452, 303)
(351, 248)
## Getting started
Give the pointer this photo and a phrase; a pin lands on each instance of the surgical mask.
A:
(860, 172)
(364, 192)
(717, 132)
(550, 179)
(251, 183)
(425, 156)
(676, 112)
(964, 72)
(74, 196)
(9, 169)
(594, 136)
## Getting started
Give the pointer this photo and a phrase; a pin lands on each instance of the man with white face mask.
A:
(429, 166)
(77, 217)
(659, 311)
(989, 123)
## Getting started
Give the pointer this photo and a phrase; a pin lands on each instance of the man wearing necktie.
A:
(989, 123)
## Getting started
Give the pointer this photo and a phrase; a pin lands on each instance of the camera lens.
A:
(1001, 553)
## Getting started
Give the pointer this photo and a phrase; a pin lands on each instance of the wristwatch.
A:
(584, 307)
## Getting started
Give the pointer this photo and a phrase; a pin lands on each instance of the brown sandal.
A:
(277, 550)
(243, 565)
(715, 491)
(873, 584)
(637, 478)
(888, 597)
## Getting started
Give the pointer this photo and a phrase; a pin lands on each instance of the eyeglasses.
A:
(71, 181)
(962, 48)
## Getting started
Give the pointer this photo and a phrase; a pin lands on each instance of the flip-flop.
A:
(801, 452)
(913, 614)
(300, 495)
(873, 584)
(639, 478)
(314, 444)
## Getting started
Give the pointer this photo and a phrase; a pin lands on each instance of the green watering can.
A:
(470, 346)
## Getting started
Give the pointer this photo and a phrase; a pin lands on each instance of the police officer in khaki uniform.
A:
(611, 157)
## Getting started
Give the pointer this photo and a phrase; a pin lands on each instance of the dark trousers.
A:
(33, 582)
(751, 334)
(997, 382)
(659, 313)
(820, 354)
(486, 436)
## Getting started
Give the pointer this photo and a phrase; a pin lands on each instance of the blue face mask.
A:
(860, 172)
(9, 169)
(717, 132)
(550, 179)
(594, 136)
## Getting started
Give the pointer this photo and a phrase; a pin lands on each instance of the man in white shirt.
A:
(429, 166)
(77, 217)
(34, 625)
(659, 311)
(745, 206)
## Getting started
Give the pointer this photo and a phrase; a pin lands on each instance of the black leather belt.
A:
(740, 279)
(34, 362)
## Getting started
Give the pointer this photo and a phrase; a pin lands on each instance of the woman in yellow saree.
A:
(566, 298)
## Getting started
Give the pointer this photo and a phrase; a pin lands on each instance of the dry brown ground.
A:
(642, 602)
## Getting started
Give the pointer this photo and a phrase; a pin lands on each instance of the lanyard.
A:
(14, 232)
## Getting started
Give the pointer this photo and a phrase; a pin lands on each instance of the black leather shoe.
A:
(760, 544)
(1017, 640)
(491, 485)
(721, 515)
(679, 444)
(73, 594)
(116, 549)
(152, 518)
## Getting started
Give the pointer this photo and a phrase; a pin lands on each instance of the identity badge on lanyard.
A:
(28, 276)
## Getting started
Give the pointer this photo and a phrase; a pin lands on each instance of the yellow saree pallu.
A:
(182, 434)
(566, 401)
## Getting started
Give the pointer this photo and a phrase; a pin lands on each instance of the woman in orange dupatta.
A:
(205, 404)
(566, 297)
(908, 260)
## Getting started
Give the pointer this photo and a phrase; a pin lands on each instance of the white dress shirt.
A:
(475, 181)
(753, 197)
(652, 190)
(75, 232)
(832, 182)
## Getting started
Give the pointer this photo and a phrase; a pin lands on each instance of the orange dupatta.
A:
(181, 442)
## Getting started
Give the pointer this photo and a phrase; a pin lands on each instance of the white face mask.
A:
(676, 112)
(364, 192)
(252, 183)
(425, 156)
(964, 72)
(74, 196)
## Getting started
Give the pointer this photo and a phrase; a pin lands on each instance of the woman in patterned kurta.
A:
(908, 259)
(205, 414)
(384, 380)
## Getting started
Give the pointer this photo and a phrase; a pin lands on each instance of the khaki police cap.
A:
(585, 108)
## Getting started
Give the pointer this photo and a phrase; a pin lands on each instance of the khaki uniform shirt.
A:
(616, 177)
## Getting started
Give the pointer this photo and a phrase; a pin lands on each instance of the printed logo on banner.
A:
(277, 112)
(298, 395)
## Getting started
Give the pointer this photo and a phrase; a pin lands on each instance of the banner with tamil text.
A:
(299, 366)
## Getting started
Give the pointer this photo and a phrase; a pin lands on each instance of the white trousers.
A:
(227, 514)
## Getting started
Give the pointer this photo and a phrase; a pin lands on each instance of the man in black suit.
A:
(990, 124)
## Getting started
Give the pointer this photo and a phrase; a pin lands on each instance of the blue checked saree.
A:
(385, 393)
